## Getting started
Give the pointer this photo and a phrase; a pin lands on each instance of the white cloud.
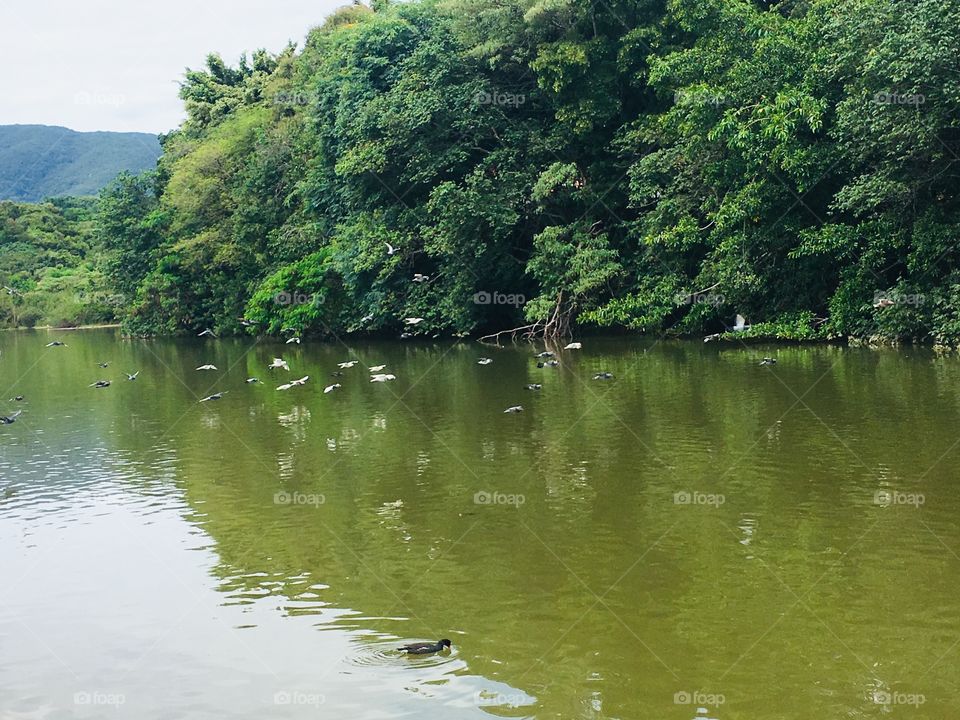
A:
(115, 64)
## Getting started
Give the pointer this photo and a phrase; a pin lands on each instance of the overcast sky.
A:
(114, 64)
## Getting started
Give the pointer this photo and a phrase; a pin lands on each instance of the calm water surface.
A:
(698, 537)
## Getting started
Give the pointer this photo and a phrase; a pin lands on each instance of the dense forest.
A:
(648, 165)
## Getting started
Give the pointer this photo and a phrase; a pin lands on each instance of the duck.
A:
(426, 648)
(18, 398)
(768, 361)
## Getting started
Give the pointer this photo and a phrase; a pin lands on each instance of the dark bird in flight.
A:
(215, 396)
(603, 376)
(11, 418)
(100, 384)
(133, 376)
(103, 365)
(56, 343)
(768, 361)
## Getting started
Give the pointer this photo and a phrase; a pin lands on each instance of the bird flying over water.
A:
(294, 383)
(330, 388)
(251, 381)
(56, 343)
(421, 278)
(382, 378)
(103, 365)
(513, 410)
(11, 418)
(391, 250)
(100, 384)
(347, 364)
(376, 368)
(413, 321)
(533, 386)
(603, 376)
(740, 324)
(215, 396)
(484, 361)
(132, 377)
(545, 354)
(768, 361)
(207, 367)
(573, 346)
(208, 332)
(293, 340)
(279, 363)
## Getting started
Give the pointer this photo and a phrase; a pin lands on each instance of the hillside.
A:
(40, 161)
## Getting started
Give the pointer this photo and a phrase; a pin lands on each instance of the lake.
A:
(699, 536)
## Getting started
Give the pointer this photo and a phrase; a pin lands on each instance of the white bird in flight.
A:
(207, 367)
(278, 363)
(294, 383)
(382, 378)
(347, 364)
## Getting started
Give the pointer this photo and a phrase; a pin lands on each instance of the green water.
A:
(262, 555)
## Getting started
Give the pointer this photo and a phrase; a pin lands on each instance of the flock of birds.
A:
(545, 359)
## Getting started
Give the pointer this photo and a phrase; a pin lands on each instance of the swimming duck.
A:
(425, 648)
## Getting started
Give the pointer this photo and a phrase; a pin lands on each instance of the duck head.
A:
(445, 643)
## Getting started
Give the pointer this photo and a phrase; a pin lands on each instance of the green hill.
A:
(41, 161)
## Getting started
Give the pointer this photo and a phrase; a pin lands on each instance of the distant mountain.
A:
(41, 161)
